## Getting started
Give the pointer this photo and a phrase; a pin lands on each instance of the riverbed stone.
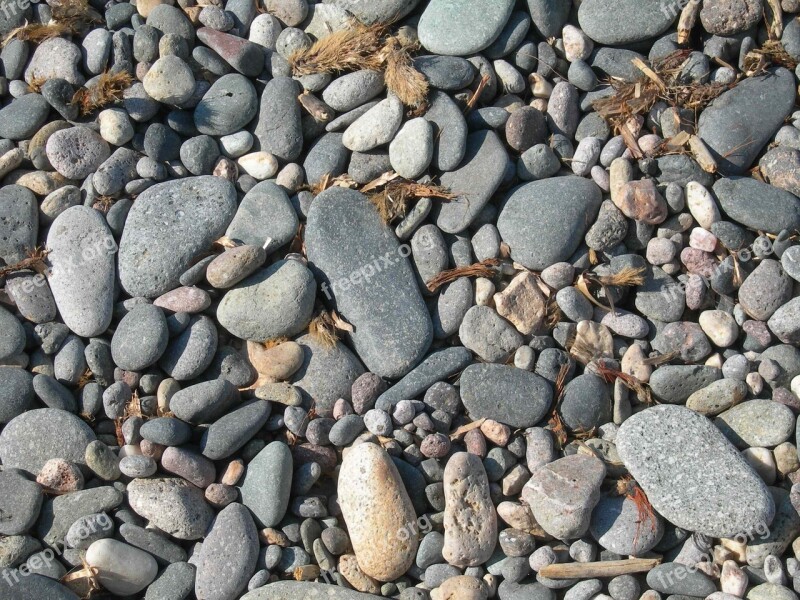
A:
(195, 210)
(173, 505)
(345, 237)
(377, 511)
(691, 474)
(623, 22)
(266, 484)
(443, 25)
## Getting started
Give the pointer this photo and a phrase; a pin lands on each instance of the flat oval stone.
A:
(23, 116)
(227, 558)
(20, 502)
(267, 483)
(674, 384)
(192, 351)
(462, 27)
(174, 505)
(82, 269)
(450, 131)
(228, 105)
(543, 222)
(352, 90)
(363, 266)
(16, 390)
(563, 493)
(140, 338)
(758, 205)
(195, 211)
(279, 129)
(470, 520)
(738, 124)
(12, 339)
(34, 437)
(19, 223)
(377, 11)
(121, 568)
(275, 302)
(512, 396)
(36, 587)
(229, 433)
(619, 22)
(291, 590)
(618, 526)
(377, 511)
(691, 474)
(265, 213)
(473, 183)
(757, 423)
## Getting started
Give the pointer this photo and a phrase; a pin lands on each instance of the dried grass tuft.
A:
(108, 89)
(269, 344)
(626, 277)
(370, 47)
(555, 423)
(83, 580)
(484, 268)
(85, 379)
(771, 53)
(610, 375)
(393, 198)
(70, 17)
(35, 261)
(323, 329)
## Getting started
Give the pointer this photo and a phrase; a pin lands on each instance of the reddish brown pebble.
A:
(233, 472)
(219, 495)
(475, 443)
(193, 467)
(60, 477)
(184, 299)
(151, 449)
(641, 201)
(435, 445)
(699, 262)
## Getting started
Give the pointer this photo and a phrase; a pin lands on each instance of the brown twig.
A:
(482, 269)
(605, 568)
(35, 261)
(393, 198)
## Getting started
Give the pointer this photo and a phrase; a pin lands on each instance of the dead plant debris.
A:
(108, 89)
(484, 268)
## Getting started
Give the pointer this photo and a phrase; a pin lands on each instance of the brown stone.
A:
(279, 362)
(184, 299)
(234, 265)
(378, 512)
(463, 587)
(348, 567)
(522, 303)
(641, 201)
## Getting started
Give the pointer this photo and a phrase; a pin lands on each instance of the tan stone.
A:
(463, 587)
(184, 299)
(282, 393)
(633, 363)
(641, 201)
(786, 458)
(60, 477)
(279, 362)
(595, 338)
(522, 303)
(145, 6)
(378, 512)
(348, 567)
(470, 520)
(495, 432)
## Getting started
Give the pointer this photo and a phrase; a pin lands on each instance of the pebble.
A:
(488, 335)
(540, 232)
(227, 107)
(21, 501)
(76, 152)
(352, 90)
(173, 505)
(496, 391)
(376, 127)
(228, 556)
(619, 23)
(278, 130)
(285, 291)
(443, 23)
(411, 150)
(664, 442)
(757, 423)
(250, 224)
(197, 210)
(140, 338)
(340, 257)
(470, 520)
(377, 511)
(121, 569)
(266, 484)
(29, 440)
(563, 493)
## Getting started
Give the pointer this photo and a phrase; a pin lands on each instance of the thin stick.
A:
(605, 568)
(687, 20)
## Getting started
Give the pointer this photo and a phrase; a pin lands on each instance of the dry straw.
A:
(70, 17)
(372, 47)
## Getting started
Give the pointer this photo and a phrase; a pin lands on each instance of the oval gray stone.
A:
(267, 483)
(543, 222)
(173, 505)
(758, 106)
(195, 211)
(512, 396)
(363, 266)
(265, 213)
(758, 205)
(82, 273)
(275, 302)
(462, 27)
(691, 474)
(140, 338)
(227, 558)
(228, 105)
(474, 182)
(19, 223)
(619, 22)
(34, 437)
(757, 423)
(279, 129)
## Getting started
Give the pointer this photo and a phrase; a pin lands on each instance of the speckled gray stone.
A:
(229, 433)
(229, 104)
(190, 353)
(619, 22)
(173, 505)
(275, 302)
(506, 394)
(279, 130)
(20, 502)
(264, 213)
(444, 24)
(757, 423)
(543, 222)
(23, 116)
(474, 182)
(34, 437)
(19, 222)
(16, 392)
(691, 474)
(266, 484)
(488, 335)
(228, 556)
(349, 245)
(140, 338)
(759, 105)
(195, 211)
(775, 210)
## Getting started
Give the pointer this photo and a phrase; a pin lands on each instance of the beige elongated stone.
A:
(470, 520)
(378, 512)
